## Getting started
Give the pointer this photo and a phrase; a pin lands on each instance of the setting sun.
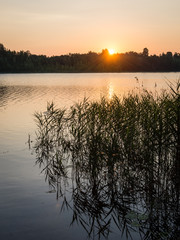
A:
(111, 51)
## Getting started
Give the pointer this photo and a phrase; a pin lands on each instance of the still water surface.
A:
(28, 209)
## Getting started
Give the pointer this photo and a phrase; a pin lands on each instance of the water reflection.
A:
(36, 94)
(22, 189)
(15, 88)
(117, 197)
(111, 90)
(120, 173)
(15, 94)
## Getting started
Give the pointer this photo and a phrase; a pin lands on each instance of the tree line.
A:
(25, 62)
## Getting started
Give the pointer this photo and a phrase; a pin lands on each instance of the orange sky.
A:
(55, 27)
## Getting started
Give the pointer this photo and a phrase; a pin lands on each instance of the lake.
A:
(29, 207)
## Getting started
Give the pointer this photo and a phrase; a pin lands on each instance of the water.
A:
(28, 209)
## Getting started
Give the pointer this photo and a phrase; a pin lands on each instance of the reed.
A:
(122, 152)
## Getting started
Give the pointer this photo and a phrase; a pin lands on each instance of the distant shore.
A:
(91, 62)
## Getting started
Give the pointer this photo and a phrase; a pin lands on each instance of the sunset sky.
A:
(55, 27)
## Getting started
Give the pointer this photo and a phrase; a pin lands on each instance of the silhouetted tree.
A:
(145, 52)
(12, 62)
(2, 48)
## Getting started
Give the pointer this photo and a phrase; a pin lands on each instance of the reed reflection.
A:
(122, 158)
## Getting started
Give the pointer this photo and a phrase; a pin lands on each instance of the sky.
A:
(56, 27)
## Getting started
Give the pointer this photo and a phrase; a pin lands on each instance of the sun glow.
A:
(111, 51)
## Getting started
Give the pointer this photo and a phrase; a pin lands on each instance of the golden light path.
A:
(110, 91)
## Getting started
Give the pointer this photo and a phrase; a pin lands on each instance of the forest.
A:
(25, 62)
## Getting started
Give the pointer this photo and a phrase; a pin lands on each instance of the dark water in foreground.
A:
(29, 207)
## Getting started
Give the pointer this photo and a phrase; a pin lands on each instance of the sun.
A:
(111, 51)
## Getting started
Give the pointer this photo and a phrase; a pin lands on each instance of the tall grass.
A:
(125, 156)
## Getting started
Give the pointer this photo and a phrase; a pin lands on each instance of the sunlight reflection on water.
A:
(25, 206)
